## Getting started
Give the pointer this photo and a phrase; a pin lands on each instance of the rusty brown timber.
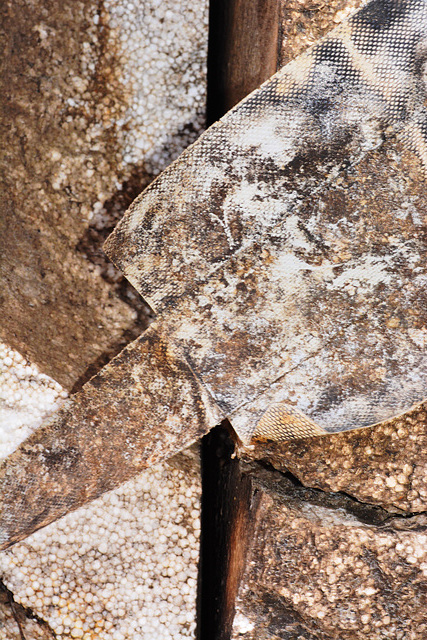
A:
(277, 285)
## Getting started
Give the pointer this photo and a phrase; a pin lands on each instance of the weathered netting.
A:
(272, 298)
(285, 256)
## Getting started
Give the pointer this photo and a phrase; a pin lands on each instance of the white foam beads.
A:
(27, 397)
(122, 567)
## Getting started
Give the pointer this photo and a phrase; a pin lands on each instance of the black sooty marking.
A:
(382, 15)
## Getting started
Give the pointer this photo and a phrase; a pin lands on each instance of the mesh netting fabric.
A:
(273, 292)
(285, 256)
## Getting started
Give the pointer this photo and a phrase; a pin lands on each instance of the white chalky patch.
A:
(163, 47)
(242, 624)
(27, 397)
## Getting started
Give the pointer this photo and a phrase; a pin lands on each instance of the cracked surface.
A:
(323, 543)
(384, 465)
(317, 572)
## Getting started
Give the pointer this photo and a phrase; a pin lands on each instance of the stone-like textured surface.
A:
(143, 407)
(97, 98)
(384, 465)
(368, 326)
(55, 307)
(318, 572)
(124, 567)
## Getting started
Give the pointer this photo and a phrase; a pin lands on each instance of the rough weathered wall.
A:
(384, 465)
(325, 567)
(96, 99)
(288, 275)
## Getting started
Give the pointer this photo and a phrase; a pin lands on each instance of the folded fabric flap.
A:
(318, 116)
(143, 407)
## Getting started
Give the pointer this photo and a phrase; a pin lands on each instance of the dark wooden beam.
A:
(229, 512)
(243, 53)
(243, 50)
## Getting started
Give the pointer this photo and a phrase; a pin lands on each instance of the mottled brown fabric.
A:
(282, 273)
(143, 407)
(303, 22)
(275, 294)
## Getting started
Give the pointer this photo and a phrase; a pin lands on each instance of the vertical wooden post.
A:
(243, 50)
(243, 53)
(229, 509)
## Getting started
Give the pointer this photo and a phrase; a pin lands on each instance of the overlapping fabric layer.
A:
(285, 280)
(285, 254)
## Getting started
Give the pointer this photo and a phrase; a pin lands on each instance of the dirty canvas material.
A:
(285, 256)
(282, 308)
